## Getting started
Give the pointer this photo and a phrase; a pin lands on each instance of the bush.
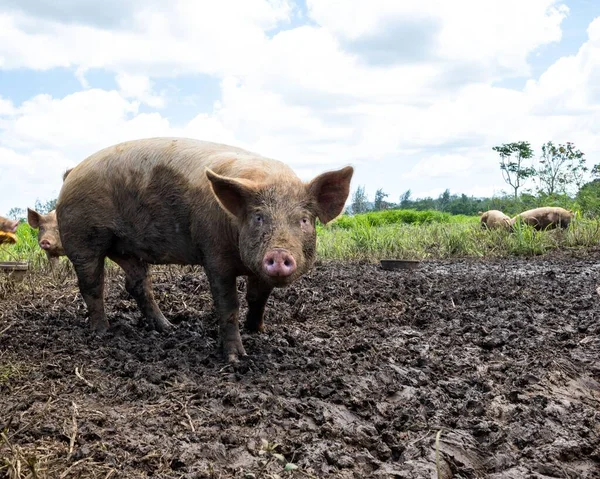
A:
(394, 217)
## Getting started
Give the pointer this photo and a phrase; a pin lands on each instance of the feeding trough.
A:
(15, 270)
(399, 264)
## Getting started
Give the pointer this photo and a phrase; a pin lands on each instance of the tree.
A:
(560, 167)
(444, 200)
(512, 157)
(405, 202)
(359, 201)
(16, 213)
(45, 208)
(379, 203)
(423, 204)
(463, 205)
(588, 198)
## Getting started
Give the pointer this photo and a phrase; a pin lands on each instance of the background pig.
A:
(494, 219)
(8, 226)
(546, 217)
(48, 235)
(7, 230)
(183, 201)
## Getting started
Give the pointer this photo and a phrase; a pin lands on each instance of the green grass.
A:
(401, 234)
(26, 248)
(393, 217)
(449, 240)
(9, 371)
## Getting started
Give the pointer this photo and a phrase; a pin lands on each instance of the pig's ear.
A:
(232, 194)
(33, 218)
(331, 190)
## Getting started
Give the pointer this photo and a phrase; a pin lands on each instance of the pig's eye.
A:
(304, 221)
(258, 218)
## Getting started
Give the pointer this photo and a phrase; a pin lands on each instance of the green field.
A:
(26, 248)
(405, 234)
(402, 234)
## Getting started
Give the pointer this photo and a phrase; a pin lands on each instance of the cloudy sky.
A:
(413, 93)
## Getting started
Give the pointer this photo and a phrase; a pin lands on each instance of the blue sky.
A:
(413, 99)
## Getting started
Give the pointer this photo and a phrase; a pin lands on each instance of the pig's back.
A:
(183, 156)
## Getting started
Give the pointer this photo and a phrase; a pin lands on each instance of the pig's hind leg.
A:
(90, 275)
(139, 286)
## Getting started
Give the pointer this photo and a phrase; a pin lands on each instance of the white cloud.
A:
(139, 87)
(436, 166)
(418, 113)
(497, 34)
(75, 121)
(6, 107)
(572, 84)
(189, 36)
(25, 177)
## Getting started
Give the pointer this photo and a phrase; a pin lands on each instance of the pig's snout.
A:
(13, 227)
(279, 262)
(45, 244)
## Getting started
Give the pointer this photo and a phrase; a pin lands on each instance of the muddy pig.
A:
(493, 219)
(48, 236)
(184, 201)
(549, 217)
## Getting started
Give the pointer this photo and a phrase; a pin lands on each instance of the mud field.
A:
(357, 372)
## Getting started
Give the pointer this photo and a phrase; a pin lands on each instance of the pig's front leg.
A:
(225, 297)
(257, 295)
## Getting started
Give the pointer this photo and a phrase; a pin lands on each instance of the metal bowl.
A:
(396, 264)
(15, 270)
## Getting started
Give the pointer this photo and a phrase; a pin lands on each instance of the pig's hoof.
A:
(253, 327)
(233, 350)
(233, 358)
(163, 325)
(99, 327)
(254, 323)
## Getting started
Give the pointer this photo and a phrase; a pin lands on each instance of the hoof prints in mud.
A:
(358, 370)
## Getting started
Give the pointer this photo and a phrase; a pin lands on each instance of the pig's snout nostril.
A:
(279, 262)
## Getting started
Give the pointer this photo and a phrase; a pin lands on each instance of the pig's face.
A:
(277, 236)
(276, 222)
(8, 226)
(48, 235)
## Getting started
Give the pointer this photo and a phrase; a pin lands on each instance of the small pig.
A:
(184, 201)
(48, 236)
(494, 219)
(547, 217)
(8, 226)
(8, 229)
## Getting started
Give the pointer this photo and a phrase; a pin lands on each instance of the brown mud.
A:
(357, 372)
